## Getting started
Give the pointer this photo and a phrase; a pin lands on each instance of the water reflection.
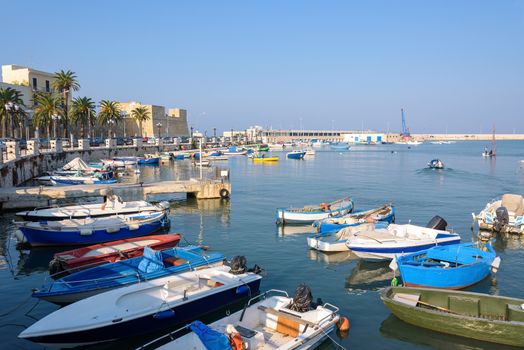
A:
(331, 258)
(368, 275)
(394, 328)
(507, 241)
(284, 230)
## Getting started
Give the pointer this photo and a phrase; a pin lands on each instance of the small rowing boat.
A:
(310, 213)
(385, 213)
(295, 155)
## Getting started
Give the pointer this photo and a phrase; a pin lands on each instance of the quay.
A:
(39, 196)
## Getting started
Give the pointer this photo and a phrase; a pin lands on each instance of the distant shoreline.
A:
(467, 137)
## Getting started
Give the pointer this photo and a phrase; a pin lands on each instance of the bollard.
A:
(13, 150)
(83, 144)
(33, 147)
(56, 146)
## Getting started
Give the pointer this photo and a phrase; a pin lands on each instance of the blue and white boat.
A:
(179, 157)
(153, 264)
(454, 266)
(141, 308)
(149, 160)
(234, 151)
(310, 213)
(339, 146)
(395, 240)
(92, 230)
(385, 213)
(99, 178)
(296, 154)
(335, 241)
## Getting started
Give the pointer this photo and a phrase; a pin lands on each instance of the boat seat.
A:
(464, 305)
(514, 313)
(174, 261)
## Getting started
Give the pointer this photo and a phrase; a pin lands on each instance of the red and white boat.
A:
(103, 253)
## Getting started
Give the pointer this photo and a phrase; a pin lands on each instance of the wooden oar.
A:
(430, 305)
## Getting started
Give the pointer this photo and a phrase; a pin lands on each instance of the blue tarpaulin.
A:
(211, 339)
(151, 261)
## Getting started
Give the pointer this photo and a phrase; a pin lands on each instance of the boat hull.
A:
(290, 216)
(327, 246)
(45, 237)
(485, 329)
(146, 324)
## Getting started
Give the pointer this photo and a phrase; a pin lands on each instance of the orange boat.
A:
(99, 254)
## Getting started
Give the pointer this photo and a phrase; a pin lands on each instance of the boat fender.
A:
(234, 337)
(343, 324)
(224, 193)
(162, 315)
(242, 290)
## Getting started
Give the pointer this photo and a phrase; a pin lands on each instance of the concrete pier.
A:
(39, 196)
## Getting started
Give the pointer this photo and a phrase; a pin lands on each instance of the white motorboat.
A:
(395, 240)
(503, 215)
(112, 206)
(143, 307)
(270, 324)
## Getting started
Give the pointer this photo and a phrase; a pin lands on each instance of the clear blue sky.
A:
(450, 64)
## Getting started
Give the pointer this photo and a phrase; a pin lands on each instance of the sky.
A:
(453, 65)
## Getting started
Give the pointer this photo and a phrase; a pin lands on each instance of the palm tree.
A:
(109, 114)
(13, 116)
(46, 106)
(64, 82)
(140, 114)
(81, 111)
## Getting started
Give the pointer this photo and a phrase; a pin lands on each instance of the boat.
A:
(165, 156)
(141, 308)
(490, 318)
(98, 178)
(263, 148)
(217, 158)
(269, 321)
(179, 157)
(234, 151)
(148, 159)
(318, 143)
(92, 230)
(414, 143)
(201, 162)
(454, 266)
(103, 253)
(396, 240)
(339, 146)
(385, 213)
(122, 161)
(295, 155)
(335, 241)
(310, 213)
(151, 265)
(504, 215)
(493, 151)
(436, 164)
(113, 205)
(310, 152)
(257, 158)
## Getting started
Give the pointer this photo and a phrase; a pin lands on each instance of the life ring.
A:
(224, 193)
(325, 206)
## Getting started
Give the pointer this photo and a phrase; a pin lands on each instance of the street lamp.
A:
(55, 117)
(110, 123)
(123, 116)
(159, 125)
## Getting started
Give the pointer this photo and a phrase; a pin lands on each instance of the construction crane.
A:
(405, 130)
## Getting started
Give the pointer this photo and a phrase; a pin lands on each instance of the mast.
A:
(494, 142)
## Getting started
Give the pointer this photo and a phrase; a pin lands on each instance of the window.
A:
(47, 89)
(35, 84)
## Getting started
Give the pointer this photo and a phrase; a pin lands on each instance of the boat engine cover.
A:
(238, 265)
(437, 223)
(502, 218)
(302, 299)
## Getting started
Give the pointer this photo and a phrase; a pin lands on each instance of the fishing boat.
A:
(435, 164)
(503, 215)
(269, 321)
(489, 318)
(395, 240)
(92, 230)
(454, 266)
(493, 151)
(151, 265)
(310, 213)
(258, 158)
(310, 152)
(385, 213)
(263, 148)
(142, 308)
(148, 159)
(122, 161)
(339, 146)
(103, 253)
(165, 156)
(79, 179)
(295, 154)
(235, 151)
(179, 157)
(414, 143)
(113, 205)
(335, 241)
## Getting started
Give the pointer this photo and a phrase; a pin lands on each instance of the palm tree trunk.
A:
(66, 113)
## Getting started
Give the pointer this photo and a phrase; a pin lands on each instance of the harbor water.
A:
(245, 225)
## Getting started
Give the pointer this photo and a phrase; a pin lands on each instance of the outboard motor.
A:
(501, 218)
(302, 299)
(238, 265)
(437, 223)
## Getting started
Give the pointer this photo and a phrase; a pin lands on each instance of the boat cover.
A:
(151, 261)
(513, 202)
(76, 164)
(211, 339)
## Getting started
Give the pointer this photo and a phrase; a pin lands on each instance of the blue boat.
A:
(148, 161)
(385, 213)
(179, 157)
(92, 230)
(454, 266)
(339, 146)
(153, 264)
(296, 155)
(311, 213)
(79, 180)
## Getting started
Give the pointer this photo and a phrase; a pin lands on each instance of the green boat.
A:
(484, 317)
(263, 148)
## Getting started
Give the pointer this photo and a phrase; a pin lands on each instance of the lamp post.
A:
(159, 125)
(231, 138)
(214, 135)
(55, 117)
(110, 124)
(123, 116)
(167, 125)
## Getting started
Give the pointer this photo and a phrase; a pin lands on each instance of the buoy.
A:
(343, 324)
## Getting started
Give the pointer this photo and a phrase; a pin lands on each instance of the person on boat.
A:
(111, 198)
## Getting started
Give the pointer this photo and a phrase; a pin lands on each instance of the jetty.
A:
(41, 196)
